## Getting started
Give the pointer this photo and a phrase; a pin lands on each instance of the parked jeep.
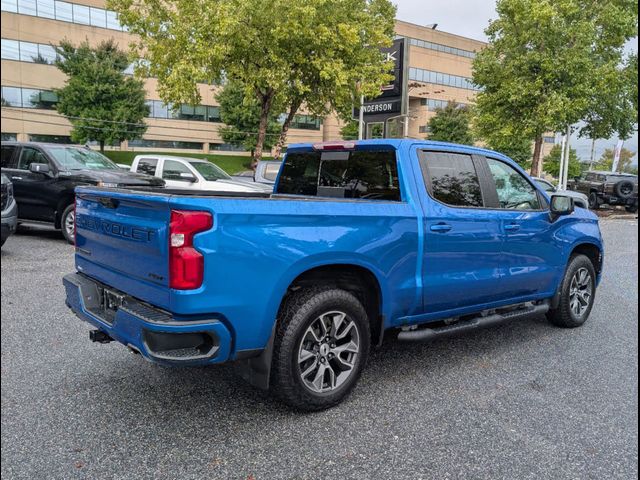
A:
(608, 188)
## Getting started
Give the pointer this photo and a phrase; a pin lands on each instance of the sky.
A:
(469, 18)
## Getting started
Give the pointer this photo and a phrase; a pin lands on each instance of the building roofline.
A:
(482, 42)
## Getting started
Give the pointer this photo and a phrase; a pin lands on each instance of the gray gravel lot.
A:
(523, 400)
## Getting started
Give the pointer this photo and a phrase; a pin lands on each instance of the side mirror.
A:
(188, 177)
(561, 205)
(40, 168)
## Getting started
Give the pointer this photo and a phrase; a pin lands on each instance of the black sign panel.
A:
(395, 54)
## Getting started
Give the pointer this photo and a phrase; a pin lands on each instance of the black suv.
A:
(608, 188)
(44, 177)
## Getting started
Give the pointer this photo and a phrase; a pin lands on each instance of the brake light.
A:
(335, 146)
(186, 264)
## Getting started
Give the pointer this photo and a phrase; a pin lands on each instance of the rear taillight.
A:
(186, 264)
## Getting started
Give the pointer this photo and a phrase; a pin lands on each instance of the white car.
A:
(193, 174)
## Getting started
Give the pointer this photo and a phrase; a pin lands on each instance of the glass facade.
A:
(439, 78)
(28, 52)
(434, 104)
(441, 48)
(198, 113)
(165, 144)
(28, 98)
(306, 122)
(36, 137)
(65, 12)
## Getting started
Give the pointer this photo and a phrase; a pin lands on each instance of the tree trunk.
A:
(536, 163)
(285, 130)
(102, 146)
(266, 100)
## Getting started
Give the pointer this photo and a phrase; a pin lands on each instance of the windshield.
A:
(209, 171)
(546, 186)
(77, 158)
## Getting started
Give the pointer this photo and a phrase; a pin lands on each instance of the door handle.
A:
(16, 178)
(441, 228)
(512, 227)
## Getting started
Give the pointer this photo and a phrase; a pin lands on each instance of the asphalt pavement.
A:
(518, 401)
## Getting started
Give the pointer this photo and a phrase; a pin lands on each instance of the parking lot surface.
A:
(517, 401)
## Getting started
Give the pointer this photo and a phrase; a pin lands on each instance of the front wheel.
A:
(594, 202)
(67, 223)
(321, 346)
(577, 294)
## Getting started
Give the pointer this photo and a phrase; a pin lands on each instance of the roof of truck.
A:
(397, 144)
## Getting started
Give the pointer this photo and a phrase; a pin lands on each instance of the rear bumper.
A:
(9, 220)
(614, 200)
(152, 332)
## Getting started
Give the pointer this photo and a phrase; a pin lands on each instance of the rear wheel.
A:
(67, 223)
(321, 346)
(577, 294)
(594, 202)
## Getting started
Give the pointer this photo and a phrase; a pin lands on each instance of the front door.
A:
(530, 249)
(463, 259)
(178, 175)
(35, 193)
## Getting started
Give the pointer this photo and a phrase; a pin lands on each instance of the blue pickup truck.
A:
(358, 238)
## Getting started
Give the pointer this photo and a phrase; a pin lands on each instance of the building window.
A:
(442, 48)
(549, 139)
(225, 147)
(165, 144)
(439, 78)
(28, 52)
(425, 129)
(198, 113)
(65, 12)
(36, 137)
(28, 98)
(434, 104)
(306, 122)
(9, 137)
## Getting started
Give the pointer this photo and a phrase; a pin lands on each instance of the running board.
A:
(481, 321)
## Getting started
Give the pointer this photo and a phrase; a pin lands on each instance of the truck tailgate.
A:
(122, 240)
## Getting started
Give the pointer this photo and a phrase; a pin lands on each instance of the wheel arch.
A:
(67, 199)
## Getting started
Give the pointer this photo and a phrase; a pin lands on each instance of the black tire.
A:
(623, 189)
(565, 316)
(594, 201)
(66, 233)
(300, 311)
(631, 208)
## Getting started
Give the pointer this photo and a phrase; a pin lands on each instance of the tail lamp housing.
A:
(186, 264)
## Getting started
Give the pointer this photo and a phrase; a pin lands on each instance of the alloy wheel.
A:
(328, 352)
(581, 292)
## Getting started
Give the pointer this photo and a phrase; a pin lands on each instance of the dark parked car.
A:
(44, 178)
(608, 188)
(579, 199)
(9, 210)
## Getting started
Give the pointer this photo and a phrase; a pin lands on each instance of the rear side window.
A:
(148, 166)
(7, 156)
(451, 178)
(370, 175)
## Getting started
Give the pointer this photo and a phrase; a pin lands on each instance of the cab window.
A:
(515, 192)
(451, 178)
(30, 155)
(148, 166)
(7, 156)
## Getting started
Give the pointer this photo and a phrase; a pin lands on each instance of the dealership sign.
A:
(389, 102)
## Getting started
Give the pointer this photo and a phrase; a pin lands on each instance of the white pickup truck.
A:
(193, 174)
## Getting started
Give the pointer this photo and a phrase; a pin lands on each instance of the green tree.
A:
(351, 130)
(538, 73)
(613, 105)
(552, 162)
(317, 53)
(516, 148)
(606, 160)
(241, 115)
(451, 124)
(101, 102)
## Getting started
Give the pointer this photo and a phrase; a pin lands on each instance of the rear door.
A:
(463, 260)
(530, 249)
(35, 193)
